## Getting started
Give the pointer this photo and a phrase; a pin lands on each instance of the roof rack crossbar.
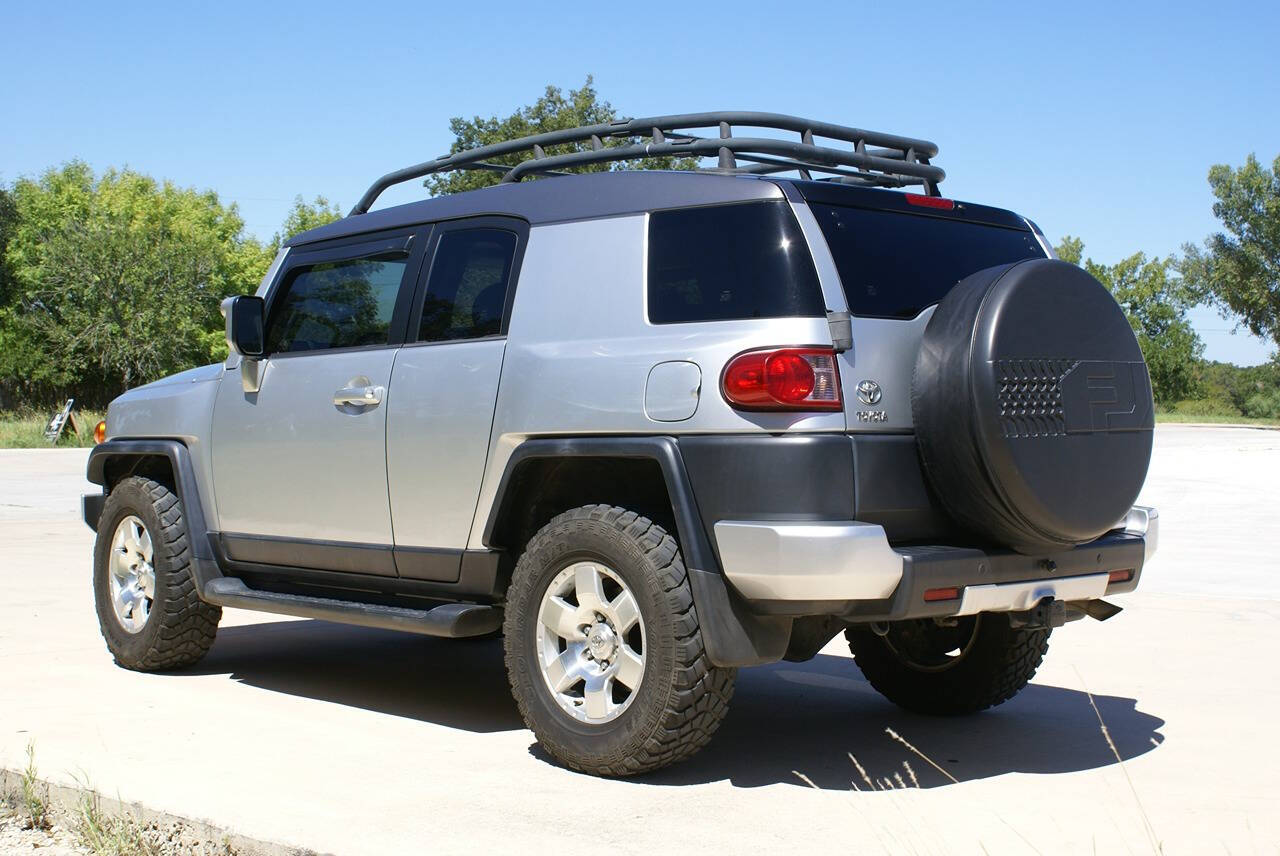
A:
(875, 157)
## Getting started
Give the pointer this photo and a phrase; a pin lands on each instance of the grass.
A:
(1215, 419)
(1216, 411)
(34, 801)
(109, 834)
(25, 430)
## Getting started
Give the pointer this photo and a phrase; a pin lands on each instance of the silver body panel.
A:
(178, 407)
(438, 423)
(289, 463)
(580, 350)
(884, 349)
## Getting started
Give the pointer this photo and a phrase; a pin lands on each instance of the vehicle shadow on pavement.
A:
(805, 719)
(459, 683)
(786, 721)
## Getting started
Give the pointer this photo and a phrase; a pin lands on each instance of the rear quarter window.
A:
(894, 265)
(727, 262)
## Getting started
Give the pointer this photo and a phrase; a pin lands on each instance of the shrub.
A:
(1264, 405)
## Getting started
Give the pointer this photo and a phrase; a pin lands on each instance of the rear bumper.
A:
(849, 569)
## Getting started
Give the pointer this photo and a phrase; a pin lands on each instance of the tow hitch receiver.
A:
(1050, 613)
(1100, 609)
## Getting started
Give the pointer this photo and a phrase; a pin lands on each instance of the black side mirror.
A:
(244, 316)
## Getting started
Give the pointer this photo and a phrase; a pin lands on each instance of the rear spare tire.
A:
(1032, 406)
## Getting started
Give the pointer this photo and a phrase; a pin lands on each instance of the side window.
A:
(343, 304)
(467, 287)
(725, 262)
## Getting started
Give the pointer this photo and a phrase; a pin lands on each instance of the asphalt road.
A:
(351, 741)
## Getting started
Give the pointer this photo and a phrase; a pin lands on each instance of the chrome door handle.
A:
(359, 396)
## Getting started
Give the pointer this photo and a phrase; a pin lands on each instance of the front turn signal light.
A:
(100, 432)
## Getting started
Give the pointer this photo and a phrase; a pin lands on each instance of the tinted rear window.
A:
(894, 265)
(726, 262)
(468, 285)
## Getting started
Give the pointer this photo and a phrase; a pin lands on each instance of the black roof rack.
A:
(875, 159)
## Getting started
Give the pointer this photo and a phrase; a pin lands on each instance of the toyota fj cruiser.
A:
(651, 426)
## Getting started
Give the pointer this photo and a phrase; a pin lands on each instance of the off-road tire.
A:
(181, 627)
(682, 698)
(992, 669)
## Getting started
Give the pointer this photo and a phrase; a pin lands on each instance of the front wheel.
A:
(149, 611)
(603, 647)
(928, 667)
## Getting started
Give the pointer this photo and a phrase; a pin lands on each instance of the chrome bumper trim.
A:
(1145, 521)
(808, 561)
(1015, 597)
(851, 561)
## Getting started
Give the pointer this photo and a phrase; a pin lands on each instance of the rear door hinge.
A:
(841, 325)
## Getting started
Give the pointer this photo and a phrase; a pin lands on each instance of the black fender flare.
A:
(204, 562)
(732, 634)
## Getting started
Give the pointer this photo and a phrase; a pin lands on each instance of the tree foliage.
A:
(1156, 302)
(1239, 270)
(553, 111)
(116, 281)
(304, 216)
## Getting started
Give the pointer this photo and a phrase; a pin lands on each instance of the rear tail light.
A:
(930, 201)
(783, 379)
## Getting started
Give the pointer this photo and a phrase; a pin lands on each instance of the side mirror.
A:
(244, 316)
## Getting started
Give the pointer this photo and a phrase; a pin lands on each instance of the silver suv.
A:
(650, 427)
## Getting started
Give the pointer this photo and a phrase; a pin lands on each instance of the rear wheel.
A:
(603, 647)
(932, 668)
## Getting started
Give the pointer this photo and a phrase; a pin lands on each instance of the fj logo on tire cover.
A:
(1100, 395)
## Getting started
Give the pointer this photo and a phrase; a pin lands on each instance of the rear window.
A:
(726, 262)
(894, 265)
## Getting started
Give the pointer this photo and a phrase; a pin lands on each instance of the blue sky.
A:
(1095, 119)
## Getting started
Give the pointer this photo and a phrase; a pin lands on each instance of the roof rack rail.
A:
(893, 162)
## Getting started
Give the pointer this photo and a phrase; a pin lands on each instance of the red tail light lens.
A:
(930, 201)
(783, 379)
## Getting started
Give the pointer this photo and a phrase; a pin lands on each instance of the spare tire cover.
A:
(1032, 406)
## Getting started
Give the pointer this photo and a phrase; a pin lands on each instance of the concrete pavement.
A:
(352, 741)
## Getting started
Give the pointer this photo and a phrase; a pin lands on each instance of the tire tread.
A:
(188, 625)
(700, 693)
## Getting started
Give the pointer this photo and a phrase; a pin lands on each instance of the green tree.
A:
(553, 111)
(304, 216)
(1156, 302)
(117, 281)
(8, 223)
(1239, 269)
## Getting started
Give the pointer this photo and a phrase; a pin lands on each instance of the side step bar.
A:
(453, 620)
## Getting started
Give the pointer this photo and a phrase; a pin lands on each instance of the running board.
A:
(453, 620)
